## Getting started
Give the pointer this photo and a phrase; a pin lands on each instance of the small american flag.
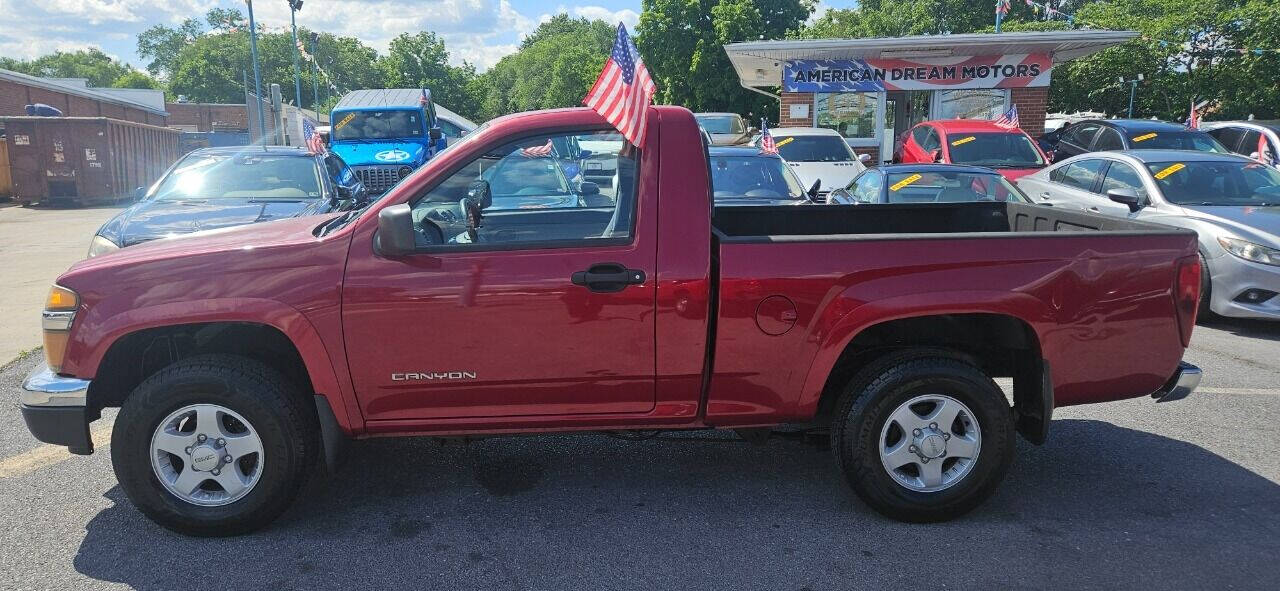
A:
(537, 151)
(312, 139)
(1265, 154)
(767, 145)
(1009, 120)
(1193, 120)
(622, 92)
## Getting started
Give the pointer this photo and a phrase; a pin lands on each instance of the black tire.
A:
(288, 430)
(877, 391)
(1206, 289)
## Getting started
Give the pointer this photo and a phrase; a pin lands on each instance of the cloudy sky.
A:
(479, 31)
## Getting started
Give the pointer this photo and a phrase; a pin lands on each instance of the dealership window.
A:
(853, 114)
(985, 103)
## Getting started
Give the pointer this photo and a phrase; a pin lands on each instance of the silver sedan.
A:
(1232, 202)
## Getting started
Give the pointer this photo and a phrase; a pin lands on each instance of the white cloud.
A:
(626, 16)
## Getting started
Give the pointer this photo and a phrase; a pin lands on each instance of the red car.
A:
(974, 142)
(243, 358)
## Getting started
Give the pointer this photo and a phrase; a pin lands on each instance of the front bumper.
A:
(1184, 380)
(56, 410)
(1230, 276)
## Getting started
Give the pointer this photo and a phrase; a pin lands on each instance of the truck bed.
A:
(1096, 293)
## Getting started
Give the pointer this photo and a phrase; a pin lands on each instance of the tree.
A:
(136, 79)
(420, 60)
(682, 43)
(555, 67)
(98, 68)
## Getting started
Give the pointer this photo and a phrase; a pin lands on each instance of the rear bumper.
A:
(1184, 381)
(56, 410)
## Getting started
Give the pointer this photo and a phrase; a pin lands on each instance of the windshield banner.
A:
(874, 75)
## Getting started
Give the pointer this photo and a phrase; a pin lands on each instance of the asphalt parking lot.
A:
(1184, 495)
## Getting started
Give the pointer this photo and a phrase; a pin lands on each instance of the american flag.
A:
(767, 145)
(1265, 154)
(1002, 7)
(1193, 120)
(312, 139)
(1009, 120)
(537, 151)
(423, 100)
(622, 92)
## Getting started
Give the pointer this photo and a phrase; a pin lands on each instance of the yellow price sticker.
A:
(1170, 170)
(783, 142)
(345, 120)
(963, 140)
(1144, 137)
(904, 182)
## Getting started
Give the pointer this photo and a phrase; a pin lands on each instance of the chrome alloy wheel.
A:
(930, 442)
(206, 454)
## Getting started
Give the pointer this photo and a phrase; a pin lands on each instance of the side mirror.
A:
(1126, 196)
(481, 195)
(935, 156)
(395, 231)
(435, 133)
(840, 196)
(1253, 155)
(864, 158)
(813, 190)
(139, 192)
(584, 154)
(588, 188)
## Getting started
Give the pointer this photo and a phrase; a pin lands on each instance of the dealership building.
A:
(873, 90)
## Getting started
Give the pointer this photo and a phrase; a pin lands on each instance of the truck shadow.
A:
(1254, 329)
(1098, 506)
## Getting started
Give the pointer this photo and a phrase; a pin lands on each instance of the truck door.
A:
(542, 304)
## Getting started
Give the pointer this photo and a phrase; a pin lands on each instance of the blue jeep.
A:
(383, 134)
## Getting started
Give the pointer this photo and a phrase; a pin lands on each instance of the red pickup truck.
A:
(491, 292)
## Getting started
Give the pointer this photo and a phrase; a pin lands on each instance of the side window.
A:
(867, 188)
(535, 196)
(920, 135)
(1123, 176)
(1083, 174)
(1109, 139)
(449, 129)
(1249, 145)
(1230, 137)
(931, 141)
(1081, 135)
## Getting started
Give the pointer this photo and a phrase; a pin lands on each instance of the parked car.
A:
(220, 187)
(975, 142)
(726, 129)
(243, 358)
(745, 176)
(927, 183)
(817, 155)
(1259, 140)
(1232, 202)
(1097, 135)
(453, 125)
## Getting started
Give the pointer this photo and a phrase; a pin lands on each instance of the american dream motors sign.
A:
(874, 75)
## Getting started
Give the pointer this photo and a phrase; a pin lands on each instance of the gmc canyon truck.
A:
(243, 359)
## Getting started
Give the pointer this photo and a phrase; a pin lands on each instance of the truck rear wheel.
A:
(214, 445)
(923, 436)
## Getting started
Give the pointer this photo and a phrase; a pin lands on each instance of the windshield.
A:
(241, 176)
(814, 148)
(1217, 183)
(951, 187)
(757, 177)
(377, 125)
(1176, 140)
(721, 123)
(996, 150)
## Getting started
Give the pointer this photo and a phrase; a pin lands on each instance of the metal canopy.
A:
(759, 63)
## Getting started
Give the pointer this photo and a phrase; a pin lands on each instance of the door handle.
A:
(1095, 209)
(608, 277)
(1044, 195)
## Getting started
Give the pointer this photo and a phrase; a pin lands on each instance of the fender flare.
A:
(847, 322)
(97, 335)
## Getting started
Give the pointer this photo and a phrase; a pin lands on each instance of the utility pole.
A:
(257, 73)
(294, 7)
(1133, 89)
(315, 74)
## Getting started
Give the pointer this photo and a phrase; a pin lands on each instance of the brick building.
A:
(208, 117)
(74, 99)
(874, 90)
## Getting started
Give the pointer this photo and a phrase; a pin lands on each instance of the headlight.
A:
(101, 245)
(59, 313)
(1250, 251)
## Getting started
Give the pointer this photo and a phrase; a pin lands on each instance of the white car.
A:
(453, 125)
(1259, 140)
(818, 155)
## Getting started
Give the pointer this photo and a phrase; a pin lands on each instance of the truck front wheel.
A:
(214, 445)
(923, 436)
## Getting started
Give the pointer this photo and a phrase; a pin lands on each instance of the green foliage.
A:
(682, 42)
(555, 67)
(421, 61)
(99, 68)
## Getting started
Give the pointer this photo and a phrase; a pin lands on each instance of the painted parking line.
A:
(48, 455)
(1240, 391)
